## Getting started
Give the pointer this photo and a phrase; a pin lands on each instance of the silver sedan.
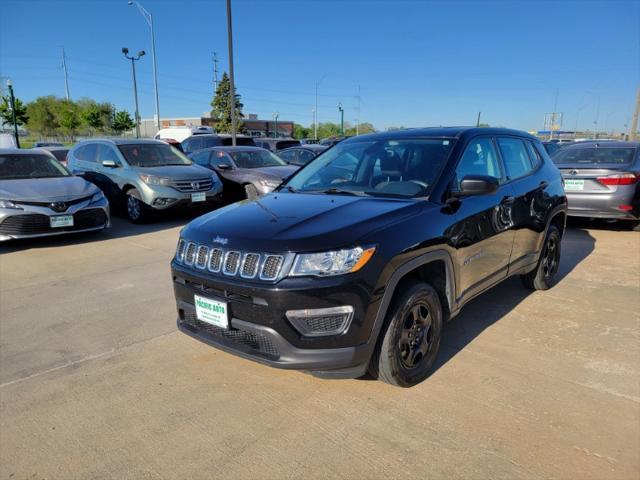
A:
(39, 197)
(602, 179)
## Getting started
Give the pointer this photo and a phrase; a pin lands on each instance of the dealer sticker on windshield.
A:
(198, 197)
(59, 221)
(572, 184)
(211, 311)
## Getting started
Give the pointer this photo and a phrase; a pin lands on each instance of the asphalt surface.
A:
(95, 381)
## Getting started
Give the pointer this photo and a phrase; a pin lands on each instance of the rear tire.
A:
(411, 337)
(543, 277)
(137, 211)
(250, 191)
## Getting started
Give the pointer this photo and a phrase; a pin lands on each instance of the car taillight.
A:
(620, 179)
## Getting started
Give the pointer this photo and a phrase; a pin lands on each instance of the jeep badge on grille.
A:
(220, 240)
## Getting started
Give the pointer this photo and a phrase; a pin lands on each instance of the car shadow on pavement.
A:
(488, 308)
(120, 227)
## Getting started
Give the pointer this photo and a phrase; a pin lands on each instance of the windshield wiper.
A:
(339, 191)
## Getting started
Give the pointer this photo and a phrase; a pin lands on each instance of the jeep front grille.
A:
(231, 263)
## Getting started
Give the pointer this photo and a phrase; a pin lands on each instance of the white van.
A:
(181, 133)
(7, 140)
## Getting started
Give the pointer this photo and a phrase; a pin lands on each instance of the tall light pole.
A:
(232, 90)
(315, 124)
(341, 110)
(275, 128)
(133, 59)
(313, 114)
(149, 18)
(12, 100)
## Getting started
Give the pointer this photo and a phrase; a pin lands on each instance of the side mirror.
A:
(109, 164)
(477, 185)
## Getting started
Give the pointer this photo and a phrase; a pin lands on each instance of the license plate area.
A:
(60, 221)
(198, 197)
(213, 312)
(573, 185)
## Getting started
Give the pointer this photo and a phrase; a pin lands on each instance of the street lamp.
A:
(275, 128)
(12, 100)
(149, 18)
(133, 59)
(341, 110)
(315, 123)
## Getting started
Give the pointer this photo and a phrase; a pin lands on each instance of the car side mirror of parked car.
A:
(477, 185)
(109, 164)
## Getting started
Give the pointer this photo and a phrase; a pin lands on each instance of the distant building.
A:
(254, 126)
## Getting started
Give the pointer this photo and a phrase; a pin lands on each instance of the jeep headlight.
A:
(335, 262)
(153, 180)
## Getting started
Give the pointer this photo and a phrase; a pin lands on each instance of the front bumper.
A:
(260, 331)
(33, 221)
(151, 193)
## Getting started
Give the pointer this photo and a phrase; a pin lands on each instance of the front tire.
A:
(137, 211)
(544, 275)
(411, 338)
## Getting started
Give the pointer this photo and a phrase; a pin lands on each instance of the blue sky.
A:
(417, 63)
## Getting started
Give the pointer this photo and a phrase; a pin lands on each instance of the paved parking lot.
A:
(95, 381)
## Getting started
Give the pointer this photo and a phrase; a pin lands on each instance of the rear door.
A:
(528, 209)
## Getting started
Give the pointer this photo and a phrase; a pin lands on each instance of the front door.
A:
(482, 235)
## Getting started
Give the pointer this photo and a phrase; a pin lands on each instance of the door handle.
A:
(508, 200)
(543, 184)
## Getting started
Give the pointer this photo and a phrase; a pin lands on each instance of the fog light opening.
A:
(162, 202)
(320, 322)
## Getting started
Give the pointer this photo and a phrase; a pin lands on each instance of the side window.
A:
(288, 156)
(479, 158)
(305, 157)
(88, 152)
(219, 158)
(536, 159)
(201, 158)
(105, 152)
(515, 157)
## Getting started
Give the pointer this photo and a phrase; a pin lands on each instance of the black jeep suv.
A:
(355, 263)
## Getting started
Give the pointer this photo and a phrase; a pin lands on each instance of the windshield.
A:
(595, 155)
(255, 159)
(405, 167)
(152, 155)
(30, 166)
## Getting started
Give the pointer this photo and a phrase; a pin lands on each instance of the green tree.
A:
(328, 129)
(6, 114)
(221, 111)
(122, 121)
(68, 116)
(42, 119)
(301, 132)
(364, 128)
(95, 116)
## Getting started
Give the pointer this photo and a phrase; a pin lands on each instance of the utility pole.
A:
(341, 110)
(275, 127)
(315, 124)
(232, 90)
(215, 72)
(133, 59)
(66, 75)
(595, 122)
(553, 116)
(358, 119)
(633, 134)
(478, 119)
(12, 100)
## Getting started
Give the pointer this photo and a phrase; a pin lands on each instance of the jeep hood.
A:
(281, 222)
